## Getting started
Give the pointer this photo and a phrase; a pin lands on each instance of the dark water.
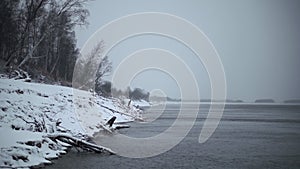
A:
(248, 136)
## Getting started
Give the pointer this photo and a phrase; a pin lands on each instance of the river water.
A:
(248, 136)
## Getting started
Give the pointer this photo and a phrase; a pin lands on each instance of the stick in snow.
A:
(111, 121)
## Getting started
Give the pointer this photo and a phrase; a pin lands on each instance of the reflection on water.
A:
(248, 136)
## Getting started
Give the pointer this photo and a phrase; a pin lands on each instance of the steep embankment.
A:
(32, 113)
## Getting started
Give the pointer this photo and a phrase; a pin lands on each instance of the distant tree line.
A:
(106, 89)
(38, 35)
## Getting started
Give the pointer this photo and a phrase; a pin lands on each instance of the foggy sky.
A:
(258, 42)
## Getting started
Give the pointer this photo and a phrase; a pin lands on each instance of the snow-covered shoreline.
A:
(29, 112)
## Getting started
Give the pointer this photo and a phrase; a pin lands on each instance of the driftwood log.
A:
(66, 138)
(115, 111)
(111, 121)
(109, 125)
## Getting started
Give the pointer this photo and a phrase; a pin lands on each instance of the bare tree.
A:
(91, 68)
(104, 69)
(36, 13)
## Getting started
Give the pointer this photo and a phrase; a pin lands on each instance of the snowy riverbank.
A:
(30, 112)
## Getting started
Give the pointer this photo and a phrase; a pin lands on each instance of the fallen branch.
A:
(121, 126)
(39, 126)
(79, 143)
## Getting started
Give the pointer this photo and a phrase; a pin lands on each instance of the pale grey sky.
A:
(258, 42)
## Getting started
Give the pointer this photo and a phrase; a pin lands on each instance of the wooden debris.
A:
(66, 138)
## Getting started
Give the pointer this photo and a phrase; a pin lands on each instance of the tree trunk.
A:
(30, 53)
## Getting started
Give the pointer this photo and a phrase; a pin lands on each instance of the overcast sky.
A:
(258, 42)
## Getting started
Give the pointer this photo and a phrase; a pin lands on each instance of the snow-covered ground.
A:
(29, 112)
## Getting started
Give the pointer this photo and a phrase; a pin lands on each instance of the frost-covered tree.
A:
(90, 69)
